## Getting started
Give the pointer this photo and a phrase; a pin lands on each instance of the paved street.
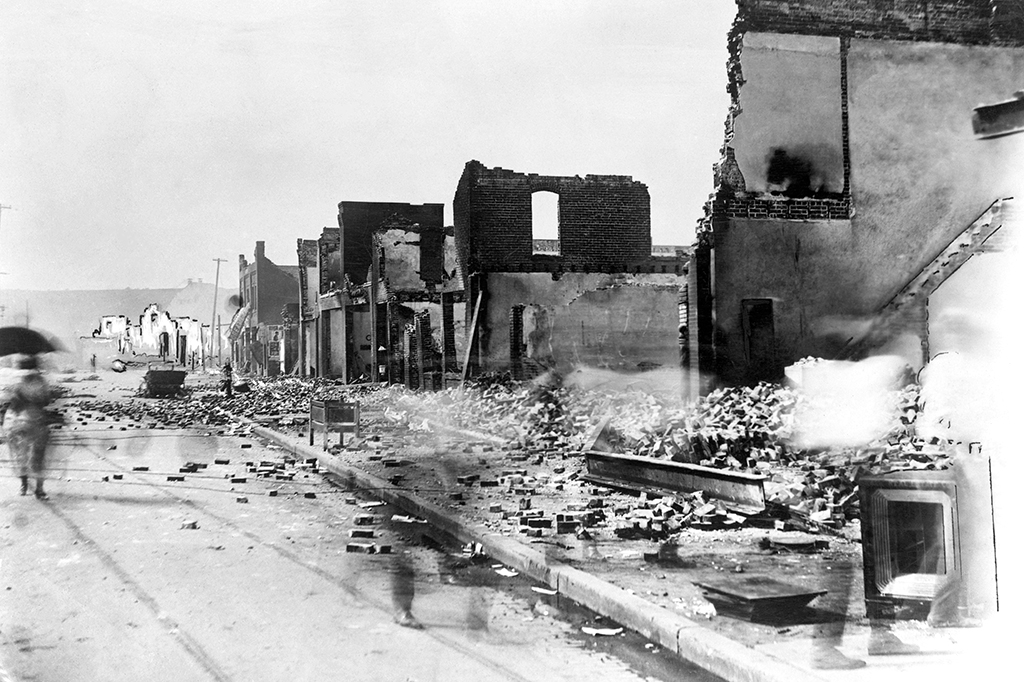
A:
(108, 580)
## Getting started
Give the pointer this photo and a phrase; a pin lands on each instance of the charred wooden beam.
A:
(643, 474)
(1001, 118)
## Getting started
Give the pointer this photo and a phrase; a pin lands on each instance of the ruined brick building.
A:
(851, 188)
(262, 333)
(590, 291)
(378, 291)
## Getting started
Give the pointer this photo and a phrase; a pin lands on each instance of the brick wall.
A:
(432, 254)
(515, 341)
(329, 245)
(604, 222)
(764, 208)
(309, 252)
(974, 22)
(417, 250)
(275, 288)
(359, 219)
(450, 361)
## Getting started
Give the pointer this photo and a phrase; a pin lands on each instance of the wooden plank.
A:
(646, 474)
(472, 338)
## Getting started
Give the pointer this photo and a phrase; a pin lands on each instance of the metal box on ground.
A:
(929, 544)
(333, 415)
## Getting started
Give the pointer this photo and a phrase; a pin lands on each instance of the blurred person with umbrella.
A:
(23, 403)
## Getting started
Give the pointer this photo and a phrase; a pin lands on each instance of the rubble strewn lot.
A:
(508, 456)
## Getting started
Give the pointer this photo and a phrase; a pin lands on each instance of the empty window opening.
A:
(545, 223)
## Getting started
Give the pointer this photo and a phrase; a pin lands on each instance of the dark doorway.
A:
(759, 339)
(165, 345)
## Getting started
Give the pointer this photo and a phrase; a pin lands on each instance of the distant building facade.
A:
(598, 295)
(368, 285)
(264, 339)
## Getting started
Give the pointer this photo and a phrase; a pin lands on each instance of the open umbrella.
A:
(27, 341)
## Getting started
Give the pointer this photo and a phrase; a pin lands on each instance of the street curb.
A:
(687, 639)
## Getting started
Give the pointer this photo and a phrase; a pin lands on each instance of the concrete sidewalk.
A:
(790, 661)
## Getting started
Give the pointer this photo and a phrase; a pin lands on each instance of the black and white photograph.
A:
(514, 341)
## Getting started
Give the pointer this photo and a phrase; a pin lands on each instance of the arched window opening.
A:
(545, 223)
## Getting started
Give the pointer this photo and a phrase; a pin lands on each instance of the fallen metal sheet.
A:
(1001, 118)
(757, 598)
(644, 474)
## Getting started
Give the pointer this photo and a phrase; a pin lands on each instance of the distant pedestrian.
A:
(228, 379)
(92, 362)
(403, 590)
(25, 423)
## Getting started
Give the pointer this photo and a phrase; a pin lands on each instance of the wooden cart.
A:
(162, 380)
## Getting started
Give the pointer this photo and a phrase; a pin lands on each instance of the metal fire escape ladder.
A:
(974, 239)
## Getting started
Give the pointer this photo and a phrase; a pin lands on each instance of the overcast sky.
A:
(141, 139)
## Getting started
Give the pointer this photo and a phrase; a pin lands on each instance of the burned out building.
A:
(379, 300)
(262, 334)
(588, 291)
(851, 187)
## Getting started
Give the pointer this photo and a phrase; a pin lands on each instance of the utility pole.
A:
(213, 319)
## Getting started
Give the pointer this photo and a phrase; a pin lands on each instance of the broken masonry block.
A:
(534, 533)
(360, 548)
(106, 479)
(455, 496)
(539, 523)
(495, 508)
(189, 525)
(525, 503)
(242, 500)
(309, 496)
(361, 533)
(383, 549)
(140, 468)
(238, 479)
(175, 478)
(272, 493)
(222, 461)
(488, 484)
(118, 477)
(246, 446)
(565, 527)
(365, 519)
